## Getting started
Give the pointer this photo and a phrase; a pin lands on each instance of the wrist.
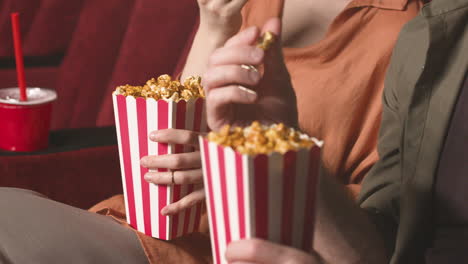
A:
(216, 36)
(221, 28)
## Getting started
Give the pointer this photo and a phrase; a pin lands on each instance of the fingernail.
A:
(153, 136)
(147, 177)
(143, 161)
(257, 54)
(251, 95)
(164, 211)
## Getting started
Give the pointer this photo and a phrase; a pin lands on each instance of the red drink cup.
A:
(24, 125)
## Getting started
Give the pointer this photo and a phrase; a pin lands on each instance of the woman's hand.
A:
(260, 251)
(219, 20)
(221, 16)
(186, 167)
(239, 95)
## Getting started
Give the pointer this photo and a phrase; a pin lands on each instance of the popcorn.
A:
(193, 84)
(128, 90)
(277, 188)
(165, 88)
(164, 80)
(266, 40)
(258, 139)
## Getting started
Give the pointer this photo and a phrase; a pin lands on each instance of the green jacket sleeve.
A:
(380, 193)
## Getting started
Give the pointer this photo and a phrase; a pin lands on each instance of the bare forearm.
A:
(344, 233)
(204, 44)
(219, 20)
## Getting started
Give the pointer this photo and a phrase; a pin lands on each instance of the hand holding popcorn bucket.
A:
(139, 110)
(260, 182)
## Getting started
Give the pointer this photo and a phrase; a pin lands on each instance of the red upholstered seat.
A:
(113, 42)
(89, 62)
(47, 28)
(106, 43)
(52, 28)
(79, 177)
(28, 10)
(37, 77)
(157, 38)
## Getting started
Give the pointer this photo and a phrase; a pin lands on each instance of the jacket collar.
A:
(384, 4)
(439, 7)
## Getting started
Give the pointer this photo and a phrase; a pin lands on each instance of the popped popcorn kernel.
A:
(266, 40)
(260, 139)
(164, 80)
(165, 88)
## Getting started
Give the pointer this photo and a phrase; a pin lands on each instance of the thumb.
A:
(274, 61)
(274, 26)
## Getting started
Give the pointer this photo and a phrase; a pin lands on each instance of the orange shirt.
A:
(339, 80)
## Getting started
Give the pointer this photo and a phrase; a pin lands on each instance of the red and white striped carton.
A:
(135, 118)
(270, 197)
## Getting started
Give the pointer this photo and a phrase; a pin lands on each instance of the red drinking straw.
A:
(19, 56)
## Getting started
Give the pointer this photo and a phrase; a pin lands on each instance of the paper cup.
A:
(135, 118)
(24, 126)
(265, 196)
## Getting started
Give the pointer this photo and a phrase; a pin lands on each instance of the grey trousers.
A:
(34, 229)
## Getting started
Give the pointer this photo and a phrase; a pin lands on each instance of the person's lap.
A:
(189, 249)
(34, 229)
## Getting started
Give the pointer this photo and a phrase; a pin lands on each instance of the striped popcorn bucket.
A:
(135, 118)
(264, 196)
